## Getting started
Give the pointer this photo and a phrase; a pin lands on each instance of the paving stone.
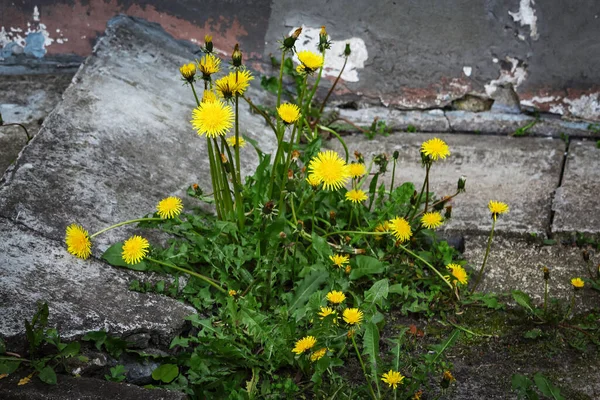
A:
(516, 264)
(119, 142)
(397, 120)
(523, 172)
(82, 295)
(26, 99)
(576, 203)
(69, 388)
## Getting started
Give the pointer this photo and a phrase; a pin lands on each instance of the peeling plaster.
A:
(29, 39)
(586, 106)
(467, 71)
(334, 59)
(516, 76)
(526, 16)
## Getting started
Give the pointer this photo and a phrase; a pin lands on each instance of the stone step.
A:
(522, 172)
(118, 143)
(69, 388)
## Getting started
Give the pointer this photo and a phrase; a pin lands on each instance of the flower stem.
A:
(238, 175)
(131, 221)
(427, 189)
(214, 179)
(485, 258)
(418, 203)
(262, 113)
(187, 271)
(362, 364)
(545, 296)
(392, 187)
(426, 263)
(338, 137)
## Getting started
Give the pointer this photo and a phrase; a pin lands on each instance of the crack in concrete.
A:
(561, 176)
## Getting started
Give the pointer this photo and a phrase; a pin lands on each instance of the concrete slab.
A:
(576, 207)
(82, 295)
(26, 99)
(523, 172)
(516, 264)
(69, 388)
(422, 121)
(119, 142)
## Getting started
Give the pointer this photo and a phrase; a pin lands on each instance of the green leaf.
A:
(378, 292)
(47, 375)
(439, 349)
(255, 323)
(371, 348)
(523, 386)
(180, 341)
(533, 334)
(307, 287)
(114, 256)
(98, 337)
(269, 84)
(523, 300)
(8, 367)
(366, 265)
(546, 387)
(71, 350)
(165, 373)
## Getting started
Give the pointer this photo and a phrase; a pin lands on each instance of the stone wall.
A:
(407, 54)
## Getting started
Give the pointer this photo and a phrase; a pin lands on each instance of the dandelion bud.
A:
(223, 158)
(442, 203)
(290, 41)
(188, 71)
(295, 155)
(347, 238)
(360, 251)
(332, 217)
(413, 198)
(347, 50)
(195, 186)
(232, 293)
(236, 57)
(546, 273)
(396, 155)
(300, 225)
(208, 44)
(447, 379)
(448, 213)
(350, 333)
(461, 184)
(348, 269)
(359, 157)
(282, 235)
(324, 43)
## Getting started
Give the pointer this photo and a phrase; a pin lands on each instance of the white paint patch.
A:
(526, 16)
(586, 106)
(334, 58)
(516, 76)
(557, 109)
(18, 35)
(535, 100)
(467, 71)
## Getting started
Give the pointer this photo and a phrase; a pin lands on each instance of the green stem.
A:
(426, 263)
(187, 271)
(223, 182)
(215, 180)
(195, 95)
(362, 364)
(485, 258)
(262, 113)
(427, 189)
(23, 127)
(316, 85)
(334, 133)
(237, 172)
(392, 183)
(330, 91)
(356, 232)
(545, 296)
(131, 221)
(280, 86)
(418, 203)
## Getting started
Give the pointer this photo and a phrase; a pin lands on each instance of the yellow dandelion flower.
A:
(232, 142)
(313, 180)
(577, 283)
(330, 169)
(317, 355)
(352, 316)
(169, 207)
(336, 297)
(78, 241)
(400, 228)
(448, 376)
(212, 119)
(497, 208)
(309, 62)
(435, 149)
(232, 292)
(458, 273)
(304, 344)
(208, 65)
(209, 96)
(135, 249)
(188, 71)
(326, 311)
(357, 170)
(339, 260)
(383, 227)
(432, 220)
(235, 83)
(25, 380)
(289, 113)
(392, 378)
(348, 269)
(356, 196)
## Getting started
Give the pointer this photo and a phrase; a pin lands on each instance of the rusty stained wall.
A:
(407, 54)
